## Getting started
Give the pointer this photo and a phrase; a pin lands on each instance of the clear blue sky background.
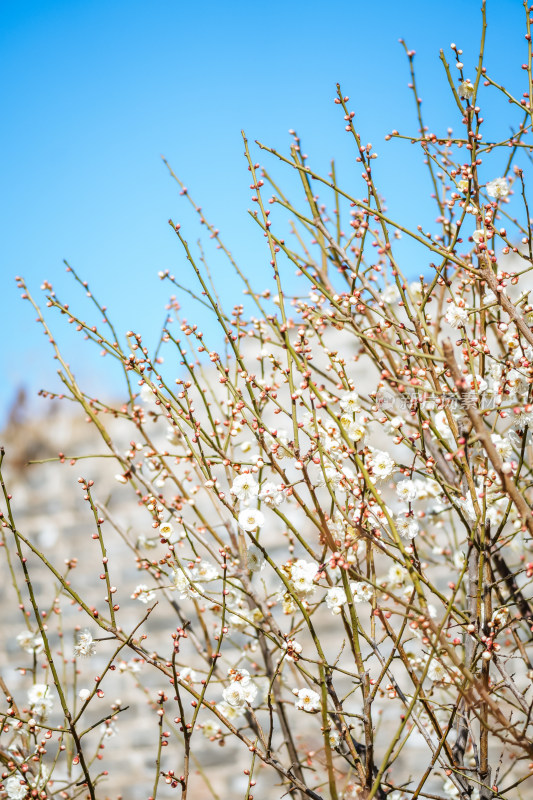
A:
(93, 91)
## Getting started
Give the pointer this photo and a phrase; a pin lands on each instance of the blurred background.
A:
(94, 92)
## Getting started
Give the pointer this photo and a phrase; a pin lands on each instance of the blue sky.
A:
(94, 92)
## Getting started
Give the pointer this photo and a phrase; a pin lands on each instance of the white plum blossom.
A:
(407, 491)
(240, 690)
(382, 464)
(293, 649)
(489, 299)
(511, 340)
(350, 403)
(522, 420)
(182, 579)
(335, 599)
(427, 488)
(341, 526)
(478, 236)
(230, 712)
(438, 672)
(241, 617)
(441, 424)
(393, 424)
(307, 421)
(496, 511)
(271, 494)
(166, 530)
(503, 445)
(244, 487)
(329, 476)
(251, 518)
(466, 89)
(390, 294)
(250, 692)
(210, 729)
(85, 645)
(255, 560)
(241, 675)
(416, 290)
(355, 429)
(456, 316)
(406, 526)
(516, 380)
(203, 572)
(334, 737)
(15, 789)
(288, 604)
(349, 476)
(143, 593)
(497, 188)
(500, 617)
(308, 700)
(302, 575)
(133, 666)
(146, 395)
(278, 444)
(188, 674)
(332, 444)
(41, 699)
(30, 642)
(396, 575)
(361, 592)
(235, 694)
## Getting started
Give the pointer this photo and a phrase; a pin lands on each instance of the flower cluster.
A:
(306, 533)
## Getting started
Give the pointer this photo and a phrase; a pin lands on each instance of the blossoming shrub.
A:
(337, 504)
